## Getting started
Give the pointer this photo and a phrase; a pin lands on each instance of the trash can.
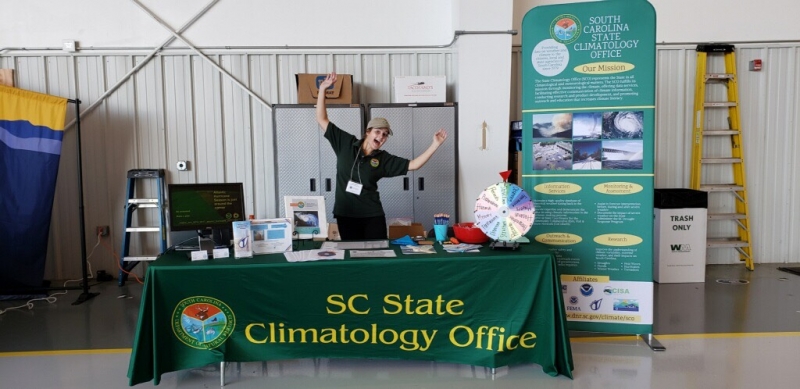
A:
(681, 222)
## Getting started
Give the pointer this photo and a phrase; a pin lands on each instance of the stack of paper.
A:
(372, 254)
(461, 248)
(421, 249)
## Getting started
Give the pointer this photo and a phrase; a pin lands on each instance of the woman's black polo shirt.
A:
(372, 168)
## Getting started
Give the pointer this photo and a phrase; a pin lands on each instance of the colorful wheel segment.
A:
(504, 212)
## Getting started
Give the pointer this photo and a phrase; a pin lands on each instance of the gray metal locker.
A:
(434, 188)
(304, 160)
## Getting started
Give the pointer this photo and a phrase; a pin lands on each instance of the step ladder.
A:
(717, 155)
(132, 204)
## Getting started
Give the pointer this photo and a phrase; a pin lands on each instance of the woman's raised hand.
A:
(440, 136)
(329, 80)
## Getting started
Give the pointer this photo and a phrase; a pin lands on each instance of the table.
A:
(491, 309)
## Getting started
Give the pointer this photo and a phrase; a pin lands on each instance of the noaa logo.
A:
(587, 289)
(565, 28)
(300, 204)
(374, 162)
(203, 322)
(573, 300)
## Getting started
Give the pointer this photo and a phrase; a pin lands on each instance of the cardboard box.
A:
(333, 232)
(341, 92)
(420, 89)
(7, 77)
(414, 230)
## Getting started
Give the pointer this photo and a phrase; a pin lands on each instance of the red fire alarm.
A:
(755, 65)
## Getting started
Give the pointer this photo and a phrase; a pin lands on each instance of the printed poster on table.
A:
(588, 106)
(307, 215)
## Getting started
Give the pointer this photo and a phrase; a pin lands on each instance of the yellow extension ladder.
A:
(710, 153)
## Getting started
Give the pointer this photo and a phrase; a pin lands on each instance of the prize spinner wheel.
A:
(504, 212)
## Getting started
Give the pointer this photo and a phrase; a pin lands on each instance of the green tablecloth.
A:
(492, 309)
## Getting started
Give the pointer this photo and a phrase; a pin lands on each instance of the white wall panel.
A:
(263, 80)
(178, 118)
(771, 126)
(674, 96)
(30, 73)
(236, 127)
(201, 142)
(114, 147)
(64, 232)
(318, 63)
(346, 64)
(150, 134)
(376, 82)
(288, 66)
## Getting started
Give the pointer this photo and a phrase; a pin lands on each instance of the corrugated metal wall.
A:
(178, 107)
(770, 106)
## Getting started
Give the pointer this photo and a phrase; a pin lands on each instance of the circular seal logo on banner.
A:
(203, 322)
(565, 28)
(374, 162)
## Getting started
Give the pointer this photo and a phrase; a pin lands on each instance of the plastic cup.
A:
(441, 232)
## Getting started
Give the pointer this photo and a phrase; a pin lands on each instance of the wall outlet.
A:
(101, 230)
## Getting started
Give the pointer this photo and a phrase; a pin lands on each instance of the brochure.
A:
(271, 235)
(241, 240)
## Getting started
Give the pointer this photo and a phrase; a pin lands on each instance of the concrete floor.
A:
(738, 329)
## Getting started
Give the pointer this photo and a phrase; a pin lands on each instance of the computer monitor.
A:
(208, 209)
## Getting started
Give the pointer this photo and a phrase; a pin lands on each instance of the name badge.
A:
(354, 187)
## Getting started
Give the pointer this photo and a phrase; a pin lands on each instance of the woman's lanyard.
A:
(352, 186)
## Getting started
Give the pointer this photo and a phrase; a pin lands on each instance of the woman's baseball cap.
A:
(379, 123)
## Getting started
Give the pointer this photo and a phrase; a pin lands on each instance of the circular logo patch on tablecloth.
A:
(203, 322)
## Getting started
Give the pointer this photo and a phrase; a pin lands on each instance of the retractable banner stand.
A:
(588, 99)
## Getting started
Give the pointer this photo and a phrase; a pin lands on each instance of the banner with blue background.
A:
(31, 131)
